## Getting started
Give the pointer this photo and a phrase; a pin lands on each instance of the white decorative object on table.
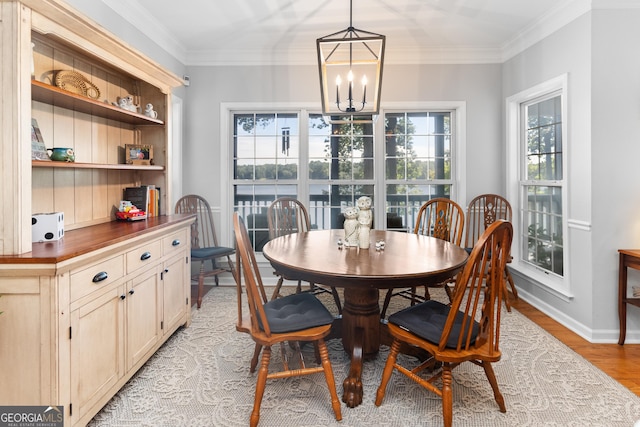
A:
(364, 210)
(364, 221)
(351, 226)
(364, 227)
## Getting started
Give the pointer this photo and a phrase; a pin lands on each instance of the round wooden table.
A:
(407, 260)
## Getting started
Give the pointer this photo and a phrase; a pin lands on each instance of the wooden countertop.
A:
(83, 240)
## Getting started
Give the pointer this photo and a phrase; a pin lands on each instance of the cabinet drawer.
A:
(175, 242)
(86, 280)
(144, 255)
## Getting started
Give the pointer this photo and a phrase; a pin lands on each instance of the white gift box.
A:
(47, 226)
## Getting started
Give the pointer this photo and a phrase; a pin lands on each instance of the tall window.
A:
(536, 144)
(542, 182)
(401, 160)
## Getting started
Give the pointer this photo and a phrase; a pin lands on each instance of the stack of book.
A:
(145, 197)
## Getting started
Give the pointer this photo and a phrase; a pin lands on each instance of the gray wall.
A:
(566, 51)
(478, 85)
(615, 179)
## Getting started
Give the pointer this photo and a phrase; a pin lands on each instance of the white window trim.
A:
(555, 284)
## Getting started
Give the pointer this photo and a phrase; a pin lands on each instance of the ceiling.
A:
(211, 32)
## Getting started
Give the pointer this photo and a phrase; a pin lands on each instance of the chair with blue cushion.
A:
(294, 318)
(443, 219)
(287, 215)
(204, 242)
(468, 330)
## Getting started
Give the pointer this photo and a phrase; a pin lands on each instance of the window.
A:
(542, 185)
(401, 159)
(537, 145)
(417, 163)
(341, 167)
(266, 164)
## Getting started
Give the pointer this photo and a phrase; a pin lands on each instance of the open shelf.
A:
(76, 165)
(53, 95)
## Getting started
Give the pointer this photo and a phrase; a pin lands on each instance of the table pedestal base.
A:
(360, 337)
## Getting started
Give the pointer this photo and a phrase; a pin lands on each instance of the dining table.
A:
(404, 260)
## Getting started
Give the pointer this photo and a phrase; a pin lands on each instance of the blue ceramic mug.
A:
(62, 154)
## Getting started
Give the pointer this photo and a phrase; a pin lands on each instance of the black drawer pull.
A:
(123, 296)
(175, 242)
(100, 277)
(131, 292)
(145, 256)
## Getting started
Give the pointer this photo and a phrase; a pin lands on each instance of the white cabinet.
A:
(174, 297)
(82, 316)
(144, 315)
(97, 351)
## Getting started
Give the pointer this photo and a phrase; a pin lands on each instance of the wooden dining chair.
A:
(467, 330)
(293, 318)
(482, 211)
(204, 242)
(441, 218)
(287, 215)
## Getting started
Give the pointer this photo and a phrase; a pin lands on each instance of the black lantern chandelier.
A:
(351, 54)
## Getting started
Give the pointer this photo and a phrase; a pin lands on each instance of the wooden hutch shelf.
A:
(53, 95)
(76, 165)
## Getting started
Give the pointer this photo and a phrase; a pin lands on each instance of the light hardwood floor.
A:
(621, 362)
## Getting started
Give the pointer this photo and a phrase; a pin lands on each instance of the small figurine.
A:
(126, 103)
(364, 221)
(364, 207)
(150, 112)
(351, 226)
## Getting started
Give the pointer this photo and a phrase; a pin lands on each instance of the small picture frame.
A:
(38, 149)
(138, 154)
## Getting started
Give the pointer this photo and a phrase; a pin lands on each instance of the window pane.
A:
(319, 169)
(395, 168)
(244, 169)
(543, 225)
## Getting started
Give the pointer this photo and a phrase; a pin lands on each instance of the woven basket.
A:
(72, 81)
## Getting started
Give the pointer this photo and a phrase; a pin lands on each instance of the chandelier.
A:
(351, 59)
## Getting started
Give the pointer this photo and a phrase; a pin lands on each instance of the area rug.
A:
(200, 377)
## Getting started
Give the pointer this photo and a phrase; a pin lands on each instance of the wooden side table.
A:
(628, 258)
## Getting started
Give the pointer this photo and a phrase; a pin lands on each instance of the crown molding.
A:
(309, 56)
(562, 14)
(559, 16)
(132, 12)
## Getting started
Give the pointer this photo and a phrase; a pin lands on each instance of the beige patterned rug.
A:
(200, 377)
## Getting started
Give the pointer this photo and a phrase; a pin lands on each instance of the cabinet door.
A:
(143, 316)
(175, 301)
(97, 349)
